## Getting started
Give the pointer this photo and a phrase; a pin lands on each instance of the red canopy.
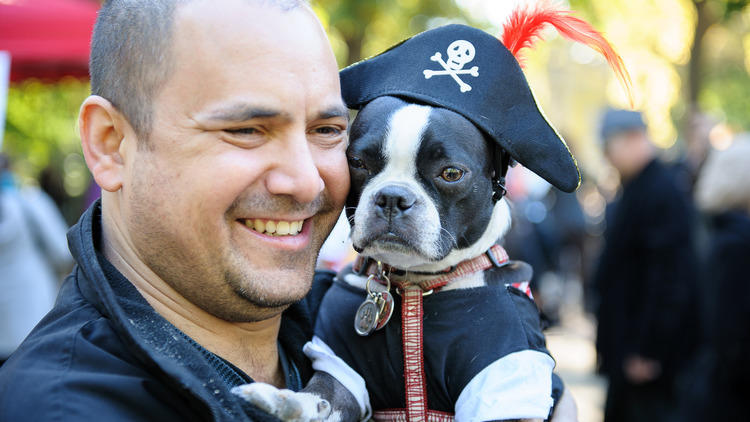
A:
(47, 38)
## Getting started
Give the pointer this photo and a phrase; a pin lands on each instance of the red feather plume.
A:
(525, 25)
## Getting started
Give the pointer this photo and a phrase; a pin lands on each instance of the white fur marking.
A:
(496, 229)
(403, 139)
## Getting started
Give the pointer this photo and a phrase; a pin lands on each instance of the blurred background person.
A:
(33, 256)
(723, 195)
(645, 278)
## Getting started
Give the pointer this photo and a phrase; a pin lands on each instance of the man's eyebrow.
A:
(245, 112)
(334, 111)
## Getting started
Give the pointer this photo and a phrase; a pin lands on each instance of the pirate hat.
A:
(472, 73)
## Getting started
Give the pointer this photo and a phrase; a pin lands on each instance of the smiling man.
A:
(217, 132)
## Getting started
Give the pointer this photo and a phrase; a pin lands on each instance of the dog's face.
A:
(421, 185)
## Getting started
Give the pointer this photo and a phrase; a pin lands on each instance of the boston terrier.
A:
(424, 202)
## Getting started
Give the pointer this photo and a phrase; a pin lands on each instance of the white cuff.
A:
(516, 386)
(325, 360)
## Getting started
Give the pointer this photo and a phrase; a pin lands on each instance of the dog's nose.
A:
(394, 200)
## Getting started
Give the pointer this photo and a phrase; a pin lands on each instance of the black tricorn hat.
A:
(472, 73)
(468, 71)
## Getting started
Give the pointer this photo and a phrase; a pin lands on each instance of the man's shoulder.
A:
(661, 182)
(74, 366)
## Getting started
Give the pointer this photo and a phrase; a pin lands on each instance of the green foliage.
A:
(40, 127)
(727, 94)
(41, 140)
(731, 6)
(360, 29)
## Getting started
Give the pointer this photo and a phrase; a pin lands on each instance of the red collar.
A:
(493, 257)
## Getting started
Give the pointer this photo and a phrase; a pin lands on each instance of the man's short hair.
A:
(131, 58)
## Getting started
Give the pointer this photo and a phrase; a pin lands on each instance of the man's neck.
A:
(251, 346)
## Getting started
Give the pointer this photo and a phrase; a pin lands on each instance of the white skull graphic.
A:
(460, 52)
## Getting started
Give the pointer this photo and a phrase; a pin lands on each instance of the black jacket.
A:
(103, 353)
(646, 276)
(730, 328)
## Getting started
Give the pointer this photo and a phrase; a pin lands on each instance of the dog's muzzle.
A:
(393, 203)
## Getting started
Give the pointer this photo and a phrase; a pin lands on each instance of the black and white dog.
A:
(423, 201)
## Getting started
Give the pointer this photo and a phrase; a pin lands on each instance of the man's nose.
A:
(296, 174)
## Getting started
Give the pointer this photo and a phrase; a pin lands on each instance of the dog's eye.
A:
(452, 174)
(357, 163)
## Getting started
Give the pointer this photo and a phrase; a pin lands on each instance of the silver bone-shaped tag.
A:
(460, 52)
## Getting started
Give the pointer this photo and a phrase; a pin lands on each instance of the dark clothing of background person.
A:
(104, 352)
(645, 280)
(730, 325)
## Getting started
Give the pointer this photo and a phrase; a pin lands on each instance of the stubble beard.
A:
(268, 291)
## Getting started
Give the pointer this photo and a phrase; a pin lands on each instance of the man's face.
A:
(250, 126)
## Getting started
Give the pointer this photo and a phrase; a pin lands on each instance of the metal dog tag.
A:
(377, 308)
(367, 316)
(386, 311)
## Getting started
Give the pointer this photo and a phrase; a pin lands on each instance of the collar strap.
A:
(366, 266)
(493, 257)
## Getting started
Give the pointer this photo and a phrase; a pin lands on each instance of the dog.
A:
(422, 202)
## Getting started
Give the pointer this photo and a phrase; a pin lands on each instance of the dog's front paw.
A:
(286, 404)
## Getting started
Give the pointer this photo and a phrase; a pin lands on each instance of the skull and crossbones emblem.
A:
(459, 52)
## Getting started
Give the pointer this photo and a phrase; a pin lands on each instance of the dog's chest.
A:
(465, 330)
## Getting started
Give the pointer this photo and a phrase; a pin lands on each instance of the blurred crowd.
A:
(660, 268)
(33, 257)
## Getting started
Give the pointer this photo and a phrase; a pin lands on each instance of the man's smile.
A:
(289, 235)
(275, 227)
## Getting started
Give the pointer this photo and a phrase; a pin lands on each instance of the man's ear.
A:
(102, 129)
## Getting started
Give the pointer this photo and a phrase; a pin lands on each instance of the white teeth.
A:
(275, 228)
(282, 228)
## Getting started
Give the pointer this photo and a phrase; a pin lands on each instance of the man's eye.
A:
(243, 131)
(357, 163)
(452, 174)
(328, 130)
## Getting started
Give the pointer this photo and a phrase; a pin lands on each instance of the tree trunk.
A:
(355, 49)
(695, 69)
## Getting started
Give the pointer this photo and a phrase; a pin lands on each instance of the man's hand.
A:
(639, 370)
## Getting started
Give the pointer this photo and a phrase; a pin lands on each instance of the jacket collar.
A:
(153, 340)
